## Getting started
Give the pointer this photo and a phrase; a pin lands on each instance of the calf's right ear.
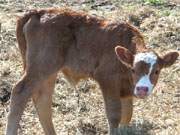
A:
(124, 55)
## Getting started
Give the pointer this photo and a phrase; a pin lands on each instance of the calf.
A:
(82, 46)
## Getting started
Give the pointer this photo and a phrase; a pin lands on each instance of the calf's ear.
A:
(124, 55)
(169, 58)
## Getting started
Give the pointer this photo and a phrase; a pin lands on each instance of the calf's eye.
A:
(157, 72)
(133, 71)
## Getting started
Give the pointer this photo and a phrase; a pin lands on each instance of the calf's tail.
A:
(20, 34)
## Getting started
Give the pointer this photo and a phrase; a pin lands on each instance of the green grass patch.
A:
(154, 2)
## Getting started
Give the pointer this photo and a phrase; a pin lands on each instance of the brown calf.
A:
(81, 46)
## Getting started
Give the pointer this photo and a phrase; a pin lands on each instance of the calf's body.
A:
(80, 46)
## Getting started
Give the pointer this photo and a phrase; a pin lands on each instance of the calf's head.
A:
(145, 67)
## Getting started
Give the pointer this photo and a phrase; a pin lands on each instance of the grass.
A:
(154, 2)
(157, 115)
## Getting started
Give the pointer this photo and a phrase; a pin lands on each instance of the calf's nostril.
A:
(138, 88)
(142, 88)
(145, 89)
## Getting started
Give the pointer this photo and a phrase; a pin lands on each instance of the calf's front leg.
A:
(126, 110)
(119, 113)
(126, 115)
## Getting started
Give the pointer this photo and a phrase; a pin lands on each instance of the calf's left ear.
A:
(169, 59)
(124, 55)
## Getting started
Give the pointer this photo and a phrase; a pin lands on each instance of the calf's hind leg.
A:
(39, 70)
(43, 101)
(22, 91)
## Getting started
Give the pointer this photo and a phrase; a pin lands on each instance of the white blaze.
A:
(149, 58)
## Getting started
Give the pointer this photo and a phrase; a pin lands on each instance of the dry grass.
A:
(81, 111)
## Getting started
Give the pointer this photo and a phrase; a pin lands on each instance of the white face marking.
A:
(149, 58)
(144, 81)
